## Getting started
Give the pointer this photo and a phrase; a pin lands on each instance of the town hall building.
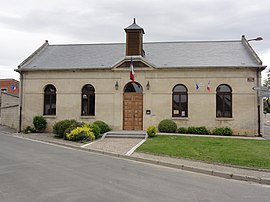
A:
(194, 83)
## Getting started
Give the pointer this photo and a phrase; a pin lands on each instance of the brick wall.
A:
(10, 86)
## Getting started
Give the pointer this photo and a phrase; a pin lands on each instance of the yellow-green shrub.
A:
(151, 131)
(83, 133)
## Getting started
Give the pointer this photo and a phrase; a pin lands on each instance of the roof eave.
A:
(30, 58)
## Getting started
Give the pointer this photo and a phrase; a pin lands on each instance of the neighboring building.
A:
(9, 110)
(10, 86)
(9, 100)
(198, 83)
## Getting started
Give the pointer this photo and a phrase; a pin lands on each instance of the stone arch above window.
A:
(49, 100)
(88, 100)
(180, 101)
(224, 101)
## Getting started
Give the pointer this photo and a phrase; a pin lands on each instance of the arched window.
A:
(88, 100)
(179, 101)
(224, 101)
(133, 87)
(49, 100)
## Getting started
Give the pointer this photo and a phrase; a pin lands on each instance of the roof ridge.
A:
(215, 41)
(150, 42)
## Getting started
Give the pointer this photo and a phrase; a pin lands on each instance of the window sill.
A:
(50, 116)
(180, 118)
(224, 119)
(87, 117)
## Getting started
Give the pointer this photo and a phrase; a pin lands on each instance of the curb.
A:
(265, 181)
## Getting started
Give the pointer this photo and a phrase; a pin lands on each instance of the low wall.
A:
(9, 110)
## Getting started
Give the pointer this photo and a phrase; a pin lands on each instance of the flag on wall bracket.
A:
(208, 86)
(196, 86)
(131, 73)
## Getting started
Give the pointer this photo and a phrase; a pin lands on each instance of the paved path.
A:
(119, 147)
(114, 145)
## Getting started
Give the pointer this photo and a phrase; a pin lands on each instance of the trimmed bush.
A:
(60, 127)
(81, 134)
(151, 131)
(40, 123)
(95, 129)
(167, 126)
(202, 130)
(182, 130)
(222, 131)
(104, 128)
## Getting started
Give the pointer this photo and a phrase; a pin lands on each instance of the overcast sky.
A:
(26, 24)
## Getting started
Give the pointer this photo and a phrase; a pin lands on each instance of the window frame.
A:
(223, 113)
(90, 101)
(180, 94)
(51, 96)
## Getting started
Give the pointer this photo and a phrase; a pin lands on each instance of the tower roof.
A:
(134, 26)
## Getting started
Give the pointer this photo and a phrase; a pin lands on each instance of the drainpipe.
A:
(21, 94)
(259, 101)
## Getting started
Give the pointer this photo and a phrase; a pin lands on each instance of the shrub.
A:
(192, 130)
(29, 129)
(202, 130)
(60, 127)
(222, 131)
(103, 126)
(71, 127)
(182, 130)
(40, 123)
(83, 133)
(151, 131)
(95, 129)
(167, 126)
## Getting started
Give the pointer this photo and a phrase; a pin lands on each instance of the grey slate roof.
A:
(160, 54)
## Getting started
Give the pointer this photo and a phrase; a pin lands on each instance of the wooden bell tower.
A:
(134, 40)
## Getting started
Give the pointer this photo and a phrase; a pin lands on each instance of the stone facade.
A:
(157, 99)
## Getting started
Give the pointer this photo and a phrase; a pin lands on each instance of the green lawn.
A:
(241, 152)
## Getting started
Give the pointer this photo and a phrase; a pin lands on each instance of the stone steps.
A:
(125, 134)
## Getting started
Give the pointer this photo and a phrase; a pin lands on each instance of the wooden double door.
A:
(132, 111)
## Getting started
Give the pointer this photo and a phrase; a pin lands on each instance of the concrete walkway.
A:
(119, 147)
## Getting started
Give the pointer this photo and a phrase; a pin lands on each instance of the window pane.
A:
(227, 105)
(133, 87)
(92, 105)
(224, 88)
(84, 107)
(219, 103)
(88, 89)
(183, 98)
(179, 88)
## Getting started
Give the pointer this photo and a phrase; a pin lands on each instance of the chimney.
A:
(134, 40)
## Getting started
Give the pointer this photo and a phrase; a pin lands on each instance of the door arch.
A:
(133, 106)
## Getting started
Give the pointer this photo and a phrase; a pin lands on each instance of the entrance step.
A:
(125, 134)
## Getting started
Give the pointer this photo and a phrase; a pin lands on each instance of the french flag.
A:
(131, 73)
(208, 86)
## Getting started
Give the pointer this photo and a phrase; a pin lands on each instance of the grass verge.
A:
(240, 152)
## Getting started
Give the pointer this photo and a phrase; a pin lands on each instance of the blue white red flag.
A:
(197, 86)
(132, 73)
(208, 86)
